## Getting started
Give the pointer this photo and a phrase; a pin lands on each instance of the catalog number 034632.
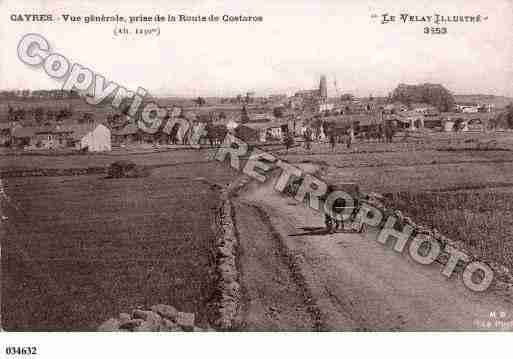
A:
(20, 350)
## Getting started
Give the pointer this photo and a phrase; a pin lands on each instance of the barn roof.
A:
(411, 113)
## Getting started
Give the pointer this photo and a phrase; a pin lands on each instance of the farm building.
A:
(6, 133)
(395, 107)
(90, 137)
(127, 135)
(361, 123)
(476, 122)
(176, 130)
(476, 125)
(340, 129)
(424, 108)
(448, 125)
(261, 131)
(364, 122)
(468, 108)
(297, 126)
(413, 120)
(93, 137)
(23, 136)
(260, 117)
(51, 137)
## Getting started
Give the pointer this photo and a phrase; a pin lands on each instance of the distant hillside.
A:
(498, 101)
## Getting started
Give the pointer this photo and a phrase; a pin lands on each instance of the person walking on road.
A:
(333, 141)
(308, 138)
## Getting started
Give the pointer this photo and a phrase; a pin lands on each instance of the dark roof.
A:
(5, 125)
(263, 125)
(129, 129)
(470, 116)
(363, 119)
(78, 131)
(410, 113)
(48, 129)
(24, 132)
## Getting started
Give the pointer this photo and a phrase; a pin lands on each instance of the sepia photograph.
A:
(267, 166)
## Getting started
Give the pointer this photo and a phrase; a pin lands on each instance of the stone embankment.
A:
(228, 285)
(503, 278)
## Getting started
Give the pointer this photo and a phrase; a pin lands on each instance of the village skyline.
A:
(332, 92)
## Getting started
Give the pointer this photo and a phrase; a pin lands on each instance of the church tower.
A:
(323, 88)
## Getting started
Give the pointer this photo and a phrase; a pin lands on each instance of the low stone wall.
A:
(228, 285)
(158, 318)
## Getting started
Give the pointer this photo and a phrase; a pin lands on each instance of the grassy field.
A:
(481, 219)
(78, 250)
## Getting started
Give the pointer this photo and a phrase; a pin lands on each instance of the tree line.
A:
(433, 94)
(39, 94)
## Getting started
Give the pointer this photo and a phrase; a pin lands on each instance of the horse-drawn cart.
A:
(341, 204)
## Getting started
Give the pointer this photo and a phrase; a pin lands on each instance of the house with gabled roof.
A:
(6, 133)
(261, 131)
(89, 137)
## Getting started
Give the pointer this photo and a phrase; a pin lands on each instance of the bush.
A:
(127, 169)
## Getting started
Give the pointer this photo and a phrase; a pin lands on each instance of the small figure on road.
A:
(288, 140)
(348, 141)
(308, 138)
(333, 141)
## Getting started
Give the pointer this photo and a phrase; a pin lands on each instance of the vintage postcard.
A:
(266, 166)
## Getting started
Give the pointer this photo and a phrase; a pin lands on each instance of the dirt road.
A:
(355, 283)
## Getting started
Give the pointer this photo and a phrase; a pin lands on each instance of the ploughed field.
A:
(80, 249)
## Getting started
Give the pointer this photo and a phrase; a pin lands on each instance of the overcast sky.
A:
(296, 42)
